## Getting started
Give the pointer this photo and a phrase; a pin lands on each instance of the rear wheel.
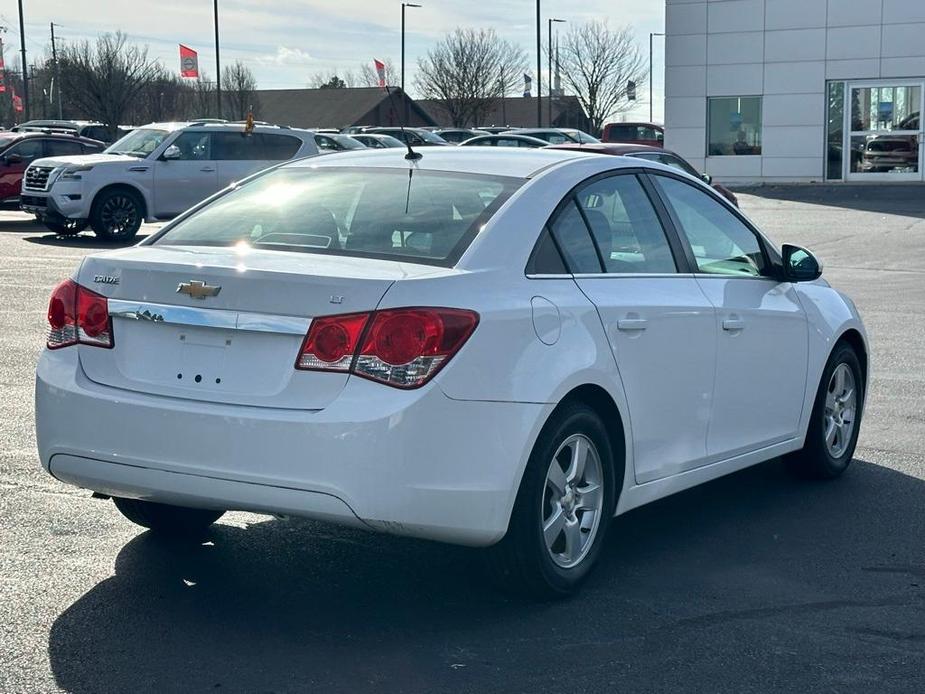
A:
(836, 419)
(563, 508)
(167, 519)
(69, 227)
(117, 214)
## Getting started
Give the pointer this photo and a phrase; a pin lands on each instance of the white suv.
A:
(153, 173)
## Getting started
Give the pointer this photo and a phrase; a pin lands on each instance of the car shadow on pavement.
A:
(898, 199)
(85, 241)
(755, 568)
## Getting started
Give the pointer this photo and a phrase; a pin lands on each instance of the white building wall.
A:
(784, 51)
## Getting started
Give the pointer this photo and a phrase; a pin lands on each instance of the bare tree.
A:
(597, 64)
(467, 71)
(239, 88)
(104, 79)
(201, 96)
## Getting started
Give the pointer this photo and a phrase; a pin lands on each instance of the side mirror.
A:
(800, 265)
(172, 152)
(13, 159)
(708, 178)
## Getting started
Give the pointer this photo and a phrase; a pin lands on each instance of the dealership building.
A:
(797, 90)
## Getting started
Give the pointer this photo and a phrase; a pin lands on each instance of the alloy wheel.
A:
(573, 501)
(119, 214)
(840, 410)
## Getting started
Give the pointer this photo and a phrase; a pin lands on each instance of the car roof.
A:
(489, 161)
(615, 148)
(509, 136)
(639, 122)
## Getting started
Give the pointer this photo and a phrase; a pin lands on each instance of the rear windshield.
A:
(428, 217)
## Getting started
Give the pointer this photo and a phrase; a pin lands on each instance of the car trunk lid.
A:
(225, 325)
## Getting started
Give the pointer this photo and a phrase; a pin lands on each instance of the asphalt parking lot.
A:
(752, 583)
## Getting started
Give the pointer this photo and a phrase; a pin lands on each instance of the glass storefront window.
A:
(835, 130)
(734, 126)
(885, 123)
(885, 108)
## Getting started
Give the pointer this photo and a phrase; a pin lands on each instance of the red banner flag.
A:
(17, 101)
(380, 70)
(189, 62)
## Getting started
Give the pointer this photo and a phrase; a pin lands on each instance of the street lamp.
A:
(403, 6)
(539, 66)
(651, 96)
(25, 74)
(552, 21)
(218, 66)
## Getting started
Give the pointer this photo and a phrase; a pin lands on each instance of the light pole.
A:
(539, 66)
(25, 74)
(403, 6)
(218, 65)
(651, 96)
(551, 21)
(54, 59)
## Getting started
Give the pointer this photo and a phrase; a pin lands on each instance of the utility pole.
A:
(25, 69)
(218, 65)
(539, 66)
(54, 59)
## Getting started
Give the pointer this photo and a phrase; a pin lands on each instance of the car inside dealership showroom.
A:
(797, 90)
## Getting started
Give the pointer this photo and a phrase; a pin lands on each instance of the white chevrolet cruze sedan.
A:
(496, 348)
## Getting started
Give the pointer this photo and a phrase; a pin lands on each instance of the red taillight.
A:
(331, 342)
(75, 314)
(403, 347)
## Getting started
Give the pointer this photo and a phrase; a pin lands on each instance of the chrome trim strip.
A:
(208, 317)
(631, 275)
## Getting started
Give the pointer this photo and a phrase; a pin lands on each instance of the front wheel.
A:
(835, 420)
(563, 508)
(166, 519)
(117, 214)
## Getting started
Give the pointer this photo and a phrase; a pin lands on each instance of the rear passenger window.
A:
(61, 148)
(278, 147)
(625, 226)
(573, 238)
(545, 259)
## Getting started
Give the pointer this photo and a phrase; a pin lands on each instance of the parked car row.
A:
(160, 170)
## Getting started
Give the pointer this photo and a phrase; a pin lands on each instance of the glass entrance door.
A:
(884, 136)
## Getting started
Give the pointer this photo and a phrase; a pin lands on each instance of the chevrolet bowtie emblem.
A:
(198, 290)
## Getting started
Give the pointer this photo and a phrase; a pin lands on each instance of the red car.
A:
(656, 154)
(634, 133)
(19, 149)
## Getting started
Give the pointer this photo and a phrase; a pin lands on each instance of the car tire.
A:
(524, 561)
(69, 227)
(117, 214)
(166, 519)
(835, 420)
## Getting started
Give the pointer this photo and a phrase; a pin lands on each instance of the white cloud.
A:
(286, 56)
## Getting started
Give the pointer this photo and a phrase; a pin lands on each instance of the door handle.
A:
(208, 169)
(733, 324)
(630, 324)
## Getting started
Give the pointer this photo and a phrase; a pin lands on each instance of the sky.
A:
(286, 42)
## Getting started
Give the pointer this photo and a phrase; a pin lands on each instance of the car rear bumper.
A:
(412, 463)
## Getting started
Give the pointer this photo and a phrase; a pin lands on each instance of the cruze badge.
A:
(106, 279)
(198, 290)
